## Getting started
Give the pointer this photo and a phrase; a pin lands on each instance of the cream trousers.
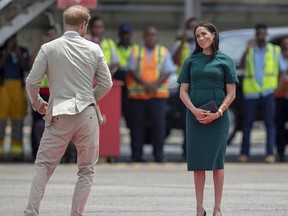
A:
(83, 130)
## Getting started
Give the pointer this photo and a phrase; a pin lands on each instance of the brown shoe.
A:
(243, 158)
(270, 159)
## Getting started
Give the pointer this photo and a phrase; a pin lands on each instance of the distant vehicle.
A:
(233, 43)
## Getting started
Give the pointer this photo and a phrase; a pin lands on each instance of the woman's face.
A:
(97, 28)
(204, 37)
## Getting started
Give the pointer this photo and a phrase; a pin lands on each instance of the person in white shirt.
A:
(70, 64)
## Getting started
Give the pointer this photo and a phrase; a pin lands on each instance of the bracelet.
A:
(224, 104)
(221, 112)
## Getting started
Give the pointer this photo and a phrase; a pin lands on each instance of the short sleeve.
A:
(168, 64)
(230, 71)
(114, 57)
(132, 62)
(184, 76)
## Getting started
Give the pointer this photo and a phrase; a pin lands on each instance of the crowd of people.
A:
(68, 75)
(144, 71)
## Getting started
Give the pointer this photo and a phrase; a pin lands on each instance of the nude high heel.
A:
(215, 213)
(204, 214)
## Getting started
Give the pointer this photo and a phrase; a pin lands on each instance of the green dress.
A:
(206, 144)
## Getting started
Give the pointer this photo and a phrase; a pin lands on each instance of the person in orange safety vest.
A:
(281, 96)
(149, 67)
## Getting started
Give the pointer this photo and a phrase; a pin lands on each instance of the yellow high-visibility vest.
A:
(186, 52)
(107, 47)
(44, 83)
(123, 55)
(270, 75)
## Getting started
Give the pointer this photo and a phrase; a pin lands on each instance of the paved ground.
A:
(150, 190)
(153, 189)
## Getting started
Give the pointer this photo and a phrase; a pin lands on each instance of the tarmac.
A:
(151, 189)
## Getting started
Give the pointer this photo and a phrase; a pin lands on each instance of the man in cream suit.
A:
(70, 63)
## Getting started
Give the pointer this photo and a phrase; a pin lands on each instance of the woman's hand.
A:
(199, 113)
(207, 117)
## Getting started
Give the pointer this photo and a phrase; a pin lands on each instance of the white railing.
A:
(3, 3)
(23, 18)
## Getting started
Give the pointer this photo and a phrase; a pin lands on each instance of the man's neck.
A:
(71, 28)
(261, 45)
(150, 47)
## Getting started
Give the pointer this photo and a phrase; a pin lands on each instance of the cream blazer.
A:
(70, 63)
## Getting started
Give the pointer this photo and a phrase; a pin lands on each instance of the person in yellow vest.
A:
(107, 45)
(14, 61)
(184, 45)
(124, 48)
(149, 67)
(281, 95)
(261, 62)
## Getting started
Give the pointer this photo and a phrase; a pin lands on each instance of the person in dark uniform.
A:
(207, 75)
(124, 48)
(14, 62)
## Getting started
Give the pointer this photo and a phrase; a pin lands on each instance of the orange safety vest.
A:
(282, 92)
(149, 71)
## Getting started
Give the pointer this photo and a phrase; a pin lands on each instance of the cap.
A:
(125, 28)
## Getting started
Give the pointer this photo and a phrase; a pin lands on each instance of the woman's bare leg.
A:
(218, 177)
(199, 181)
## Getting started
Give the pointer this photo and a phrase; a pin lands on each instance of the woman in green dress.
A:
(207, 75)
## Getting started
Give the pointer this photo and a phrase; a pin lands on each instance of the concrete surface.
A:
(150, 190)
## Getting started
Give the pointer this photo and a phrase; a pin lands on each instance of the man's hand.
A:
(42, 108)
(250, 43)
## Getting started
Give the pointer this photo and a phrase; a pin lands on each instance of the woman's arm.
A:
(184, 96)
(230, 96)
(207, 117)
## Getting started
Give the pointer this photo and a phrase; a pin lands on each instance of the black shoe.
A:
(281, 157)
(204, 212)
(159, 161)
(18, 159)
